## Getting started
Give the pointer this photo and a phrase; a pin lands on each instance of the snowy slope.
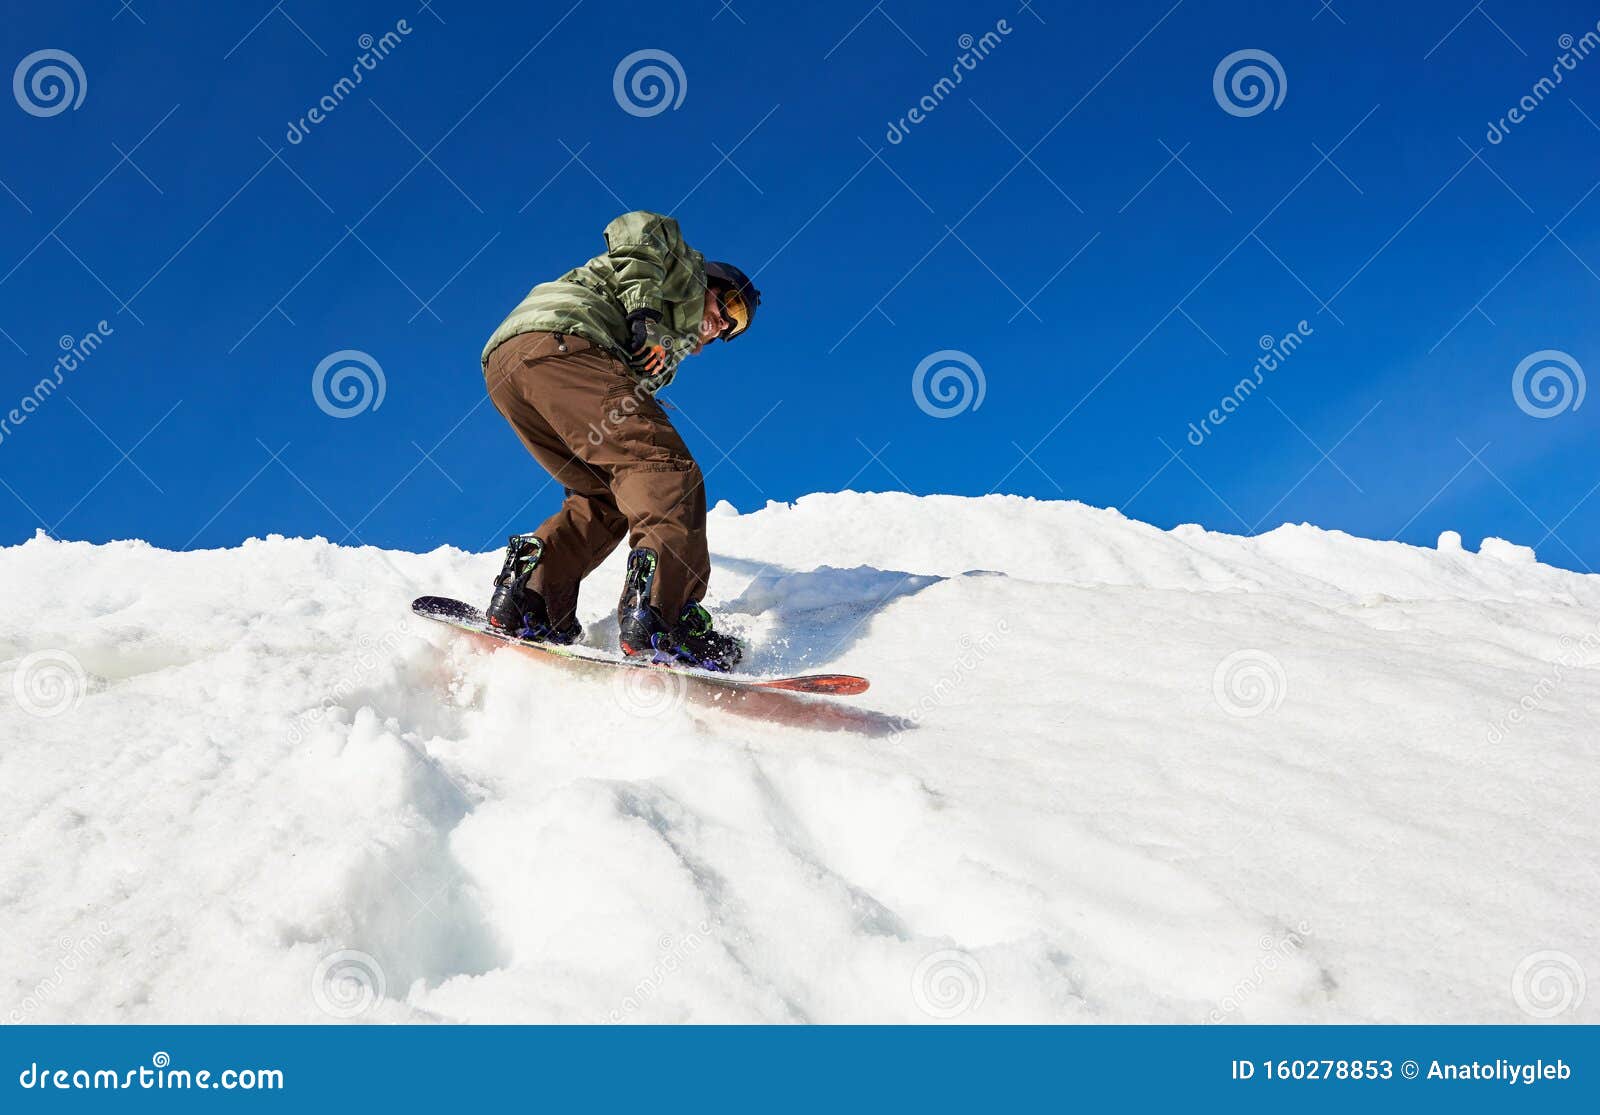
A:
(1105, 773)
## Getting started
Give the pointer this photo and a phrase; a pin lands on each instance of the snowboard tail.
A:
(468, 618)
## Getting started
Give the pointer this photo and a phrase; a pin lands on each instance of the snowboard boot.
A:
(689, 641)
(517, 609)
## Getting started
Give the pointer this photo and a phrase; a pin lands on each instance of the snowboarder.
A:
(574, 369)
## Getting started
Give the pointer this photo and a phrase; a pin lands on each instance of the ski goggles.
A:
(735, 311)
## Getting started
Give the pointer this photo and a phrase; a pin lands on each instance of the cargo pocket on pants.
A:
(643, 431)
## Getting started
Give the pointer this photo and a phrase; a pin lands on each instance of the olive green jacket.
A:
(646, 265)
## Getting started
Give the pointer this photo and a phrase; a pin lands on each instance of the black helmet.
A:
(740, 308)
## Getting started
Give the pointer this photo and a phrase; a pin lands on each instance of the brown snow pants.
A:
(625, 469)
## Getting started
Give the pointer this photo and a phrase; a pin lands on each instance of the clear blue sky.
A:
(1426, 261)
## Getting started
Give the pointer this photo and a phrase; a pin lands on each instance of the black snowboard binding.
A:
(517, 609)
(690, 641)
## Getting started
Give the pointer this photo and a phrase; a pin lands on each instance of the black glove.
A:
(652, 346)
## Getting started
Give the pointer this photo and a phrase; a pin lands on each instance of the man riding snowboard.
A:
(574, 369)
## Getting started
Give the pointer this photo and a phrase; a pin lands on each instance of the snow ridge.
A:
(1106, 773)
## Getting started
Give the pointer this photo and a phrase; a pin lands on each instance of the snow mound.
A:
(1105, 773)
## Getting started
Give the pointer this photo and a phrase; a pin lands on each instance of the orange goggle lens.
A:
(735, 312)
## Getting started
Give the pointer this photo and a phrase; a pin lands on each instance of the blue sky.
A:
(1081, 218)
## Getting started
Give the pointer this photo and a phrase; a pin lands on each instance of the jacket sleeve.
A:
(651, 262)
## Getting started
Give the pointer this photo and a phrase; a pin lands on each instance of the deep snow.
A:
(1105, 773)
